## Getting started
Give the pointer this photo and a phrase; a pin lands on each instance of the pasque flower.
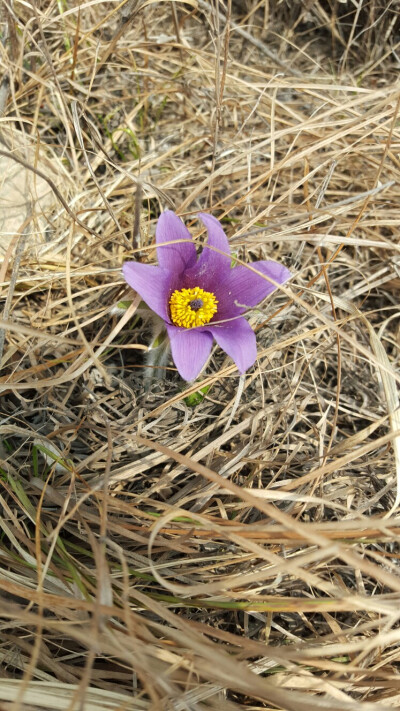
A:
(202, 299)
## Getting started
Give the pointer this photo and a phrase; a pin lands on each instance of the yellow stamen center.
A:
(192, 307)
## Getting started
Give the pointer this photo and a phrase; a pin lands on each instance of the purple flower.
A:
(202, 299)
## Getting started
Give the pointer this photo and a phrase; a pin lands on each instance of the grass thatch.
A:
(240, 551)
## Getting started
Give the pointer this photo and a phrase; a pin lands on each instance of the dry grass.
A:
(242, 552)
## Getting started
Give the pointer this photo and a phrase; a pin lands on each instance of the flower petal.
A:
(242, 288)
(190, 349)
(238, 340)
(218, 239)
(175, 257)
(152, 283)
(211, 266)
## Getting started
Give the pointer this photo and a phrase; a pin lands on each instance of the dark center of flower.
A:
(196, 304)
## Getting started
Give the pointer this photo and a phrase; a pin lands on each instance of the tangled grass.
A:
(220, 545)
